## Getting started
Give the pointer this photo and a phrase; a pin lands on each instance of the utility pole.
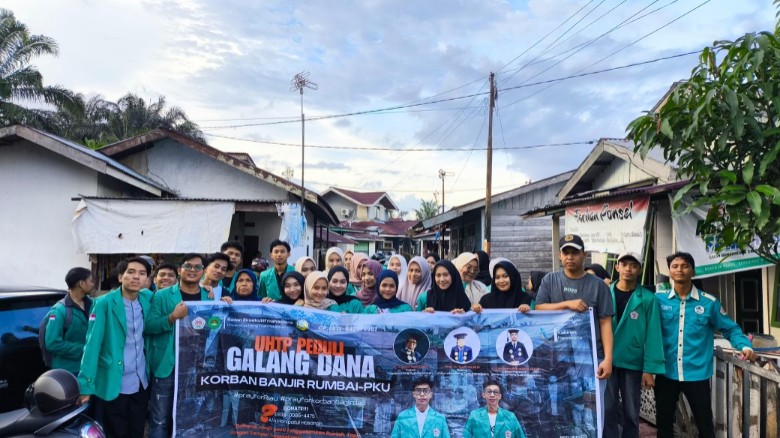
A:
(443, 174)
(489, 183)
(299, 82)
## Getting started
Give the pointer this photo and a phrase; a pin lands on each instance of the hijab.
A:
(299, 263)
(312, 278)
(334, 250)
(380, 301)
(343, 298)
(367, 294)
(598, 271)
(536, 280)
(485, 272)
(299, 278)
(463, 259)
(404, 265)
(409, 292)
(454, 297)
(354, 275)
(494, 261)
(252, 295)
(510, 299)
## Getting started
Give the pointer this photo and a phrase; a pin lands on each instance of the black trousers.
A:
(699, 397)
(124, 416)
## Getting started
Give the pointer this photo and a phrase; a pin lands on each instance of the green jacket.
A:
(102, 365)
(67, 348)
(637, 336)
(422, 301)
(267, 283)
(161, 347)
(478, 425)
(351, 306)
(372, 309)
(435, 425)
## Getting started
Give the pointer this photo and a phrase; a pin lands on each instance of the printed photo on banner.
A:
(270, 371)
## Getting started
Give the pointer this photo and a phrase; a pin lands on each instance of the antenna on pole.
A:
(443, 174)
(298, 83)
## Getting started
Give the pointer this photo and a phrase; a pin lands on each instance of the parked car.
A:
(21, 311)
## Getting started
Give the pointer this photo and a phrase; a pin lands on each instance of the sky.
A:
(229, 65)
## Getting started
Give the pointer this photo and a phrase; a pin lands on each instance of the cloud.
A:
(229, 64)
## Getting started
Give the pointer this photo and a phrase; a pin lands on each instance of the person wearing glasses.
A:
(467, 264)
(421, 420)
(167, 307)
(492, 421)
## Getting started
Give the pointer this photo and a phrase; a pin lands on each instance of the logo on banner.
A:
(198, 323)
(215, 322)
(302, 325)
(699, 310)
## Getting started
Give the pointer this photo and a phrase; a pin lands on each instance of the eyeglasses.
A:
(492, 392)
(421, 391)
(189, 267)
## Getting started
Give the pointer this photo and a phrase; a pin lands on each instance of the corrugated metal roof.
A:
(600, 196)
(97, 155)
(116, 198)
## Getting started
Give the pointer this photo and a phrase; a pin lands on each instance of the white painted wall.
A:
(619, 173)
(193, 174)
(37, 187)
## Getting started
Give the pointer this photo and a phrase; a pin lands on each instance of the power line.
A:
(391, 149)
(618, 51)
(580, 47)
(380, 110)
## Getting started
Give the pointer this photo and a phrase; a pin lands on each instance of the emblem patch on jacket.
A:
(699, 310)
(634, 315)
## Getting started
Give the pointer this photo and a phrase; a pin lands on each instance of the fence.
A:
(740, 410)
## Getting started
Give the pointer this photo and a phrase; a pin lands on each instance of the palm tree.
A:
(131, 115)
(21, 82)
(427, 210)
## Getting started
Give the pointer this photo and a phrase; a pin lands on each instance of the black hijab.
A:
(299, 278)
(598, 271)
(484, 268)
(510, 299)
(393, 302)
(343, 298)
(451, 298)
(536, 280)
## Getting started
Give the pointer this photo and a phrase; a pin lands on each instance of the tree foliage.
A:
(427, 210)
(721, 128)
(21, 84)
(102, 121)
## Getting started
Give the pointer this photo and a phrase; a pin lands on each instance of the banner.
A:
(270, 370)
(614, 226)
(709, 262)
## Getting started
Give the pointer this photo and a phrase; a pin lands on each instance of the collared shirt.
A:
(421, 416)
(134, 376)
(688, 326)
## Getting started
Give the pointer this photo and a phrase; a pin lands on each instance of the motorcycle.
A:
(51, 409)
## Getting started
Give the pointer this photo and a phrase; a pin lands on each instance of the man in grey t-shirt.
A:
(574, 289)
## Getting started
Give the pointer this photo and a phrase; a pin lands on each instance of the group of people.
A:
(121, 345)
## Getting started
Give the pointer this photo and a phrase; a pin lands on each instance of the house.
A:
(525, 242)
(618, 201)
(210, 190)
(369, 218)
(40, 174)
(360, 206)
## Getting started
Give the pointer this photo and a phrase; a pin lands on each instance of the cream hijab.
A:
(312, 278)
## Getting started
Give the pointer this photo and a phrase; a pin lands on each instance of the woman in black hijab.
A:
(484, 268)
(447, 293)
(534, 281)
(507, 290)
